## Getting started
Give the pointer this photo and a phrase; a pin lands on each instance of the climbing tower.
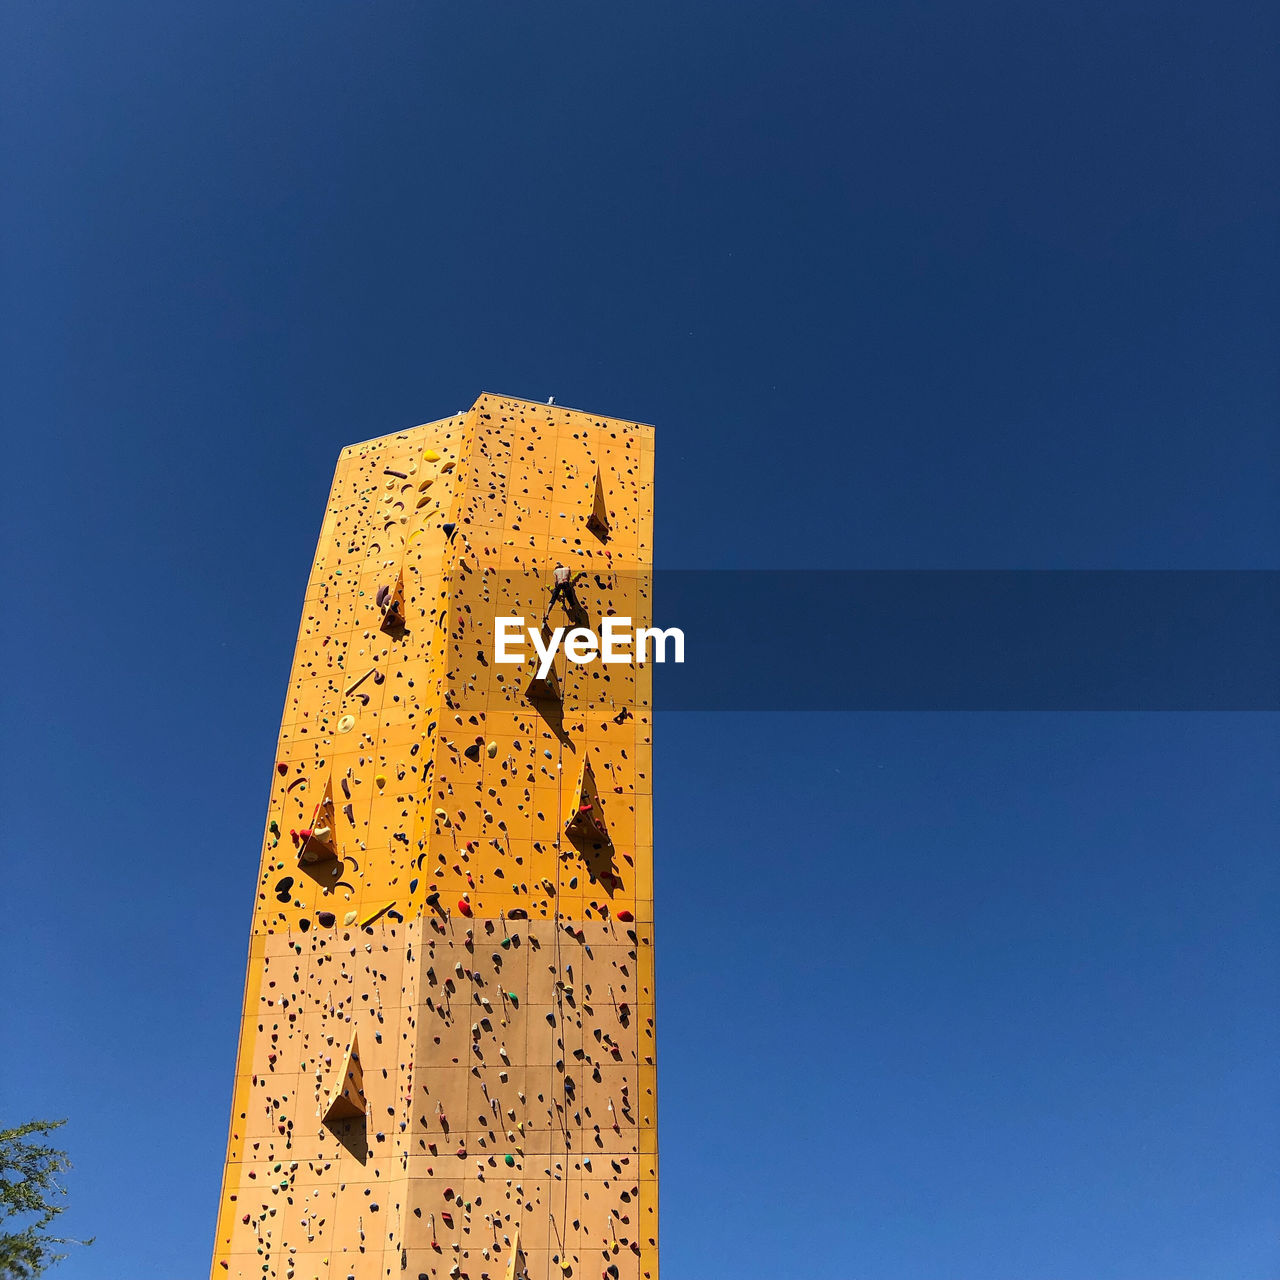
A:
(447, 1052)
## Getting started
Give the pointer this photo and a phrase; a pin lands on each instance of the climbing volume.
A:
(446, 1062)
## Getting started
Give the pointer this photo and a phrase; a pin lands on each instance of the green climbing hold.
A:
(515, 999)
(510, 1159)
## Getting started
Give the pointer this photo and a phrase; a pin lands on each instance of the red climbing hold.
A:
(464, 906)
(625, 916)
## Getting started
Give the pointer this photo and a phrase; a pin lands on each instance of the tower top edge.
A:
(644, 428)
(564, 408)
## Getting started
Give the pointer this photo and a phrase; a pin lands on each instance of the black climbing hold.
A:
(327, 919)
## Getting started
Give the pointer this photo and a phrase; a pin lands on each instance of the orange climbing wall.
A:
(446, 1062)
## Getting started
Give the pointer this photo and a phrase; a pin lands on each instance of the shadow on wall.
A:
(353, 1134)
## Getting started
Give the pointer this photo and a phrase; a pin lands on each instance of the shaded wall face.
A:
(446, 1064)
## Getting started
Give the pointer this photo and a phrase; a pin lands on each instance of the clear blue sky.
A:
(979, 996)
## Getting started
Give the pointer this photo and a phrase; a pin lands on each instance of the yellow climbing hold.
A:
(492, 749)
(346, 724)
(370, 913)
(431, 456)
(381, 780)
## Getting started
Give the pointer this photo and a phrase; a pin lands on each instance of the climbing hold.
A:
(624, 915)
(282, 768)
(509, 1159)
(449, 530)
(346, 724)
(326, 919)
(431, 456)
(381, 780)
(473, 752)
(492, 750)
(464, 906)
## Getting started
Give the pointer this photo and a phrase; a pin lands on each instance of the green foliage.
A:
(29, 1193)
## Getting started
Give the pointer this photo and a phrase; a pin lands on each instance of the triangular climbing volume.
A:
(598, 520)
(517, 1268)
(320, 843)
(391, 602)
(348, 1101)
(587, 820)
(544, 687)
